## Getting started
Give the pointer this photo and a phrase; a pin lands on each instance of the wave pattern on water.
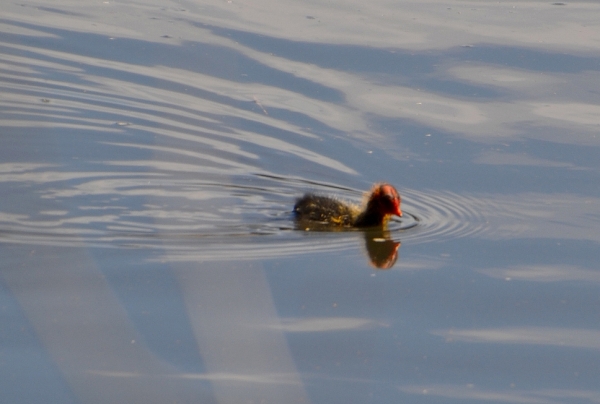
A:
(443, 215)
(129, 154)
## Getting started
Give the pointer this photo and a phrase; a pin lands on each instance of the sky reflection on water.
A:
(152, 154)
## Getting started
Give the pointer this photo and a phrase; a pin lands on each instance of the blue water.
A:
(151, 156)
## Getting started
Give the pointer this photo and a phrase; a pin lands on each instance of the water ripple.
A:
(443, 215)
(250, 215)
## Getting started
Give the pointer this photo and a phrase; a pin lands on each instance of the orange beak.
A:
(398, 211)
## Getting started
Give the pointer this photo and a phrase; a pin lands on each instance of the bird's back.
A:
(323, 209)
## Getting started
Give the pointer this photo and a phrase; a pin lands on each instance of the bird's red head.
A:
(388, 198)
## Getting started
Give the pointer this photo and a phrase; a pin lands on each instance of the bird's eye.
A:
(391, 197)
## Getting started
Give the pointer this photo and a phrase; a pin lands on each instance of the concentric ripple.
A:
(443, 215)
(248, 217)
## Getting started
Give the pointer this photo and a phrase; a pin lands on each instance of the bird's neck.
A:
(370, 217)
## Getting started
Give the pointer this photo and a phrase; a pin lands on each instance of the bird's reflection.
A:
(381, 248)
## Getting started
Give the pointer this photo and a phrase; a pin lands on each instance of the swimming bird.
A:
(381, 202)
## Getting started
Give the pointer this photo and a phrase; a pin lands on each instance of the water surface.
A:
(152, 153)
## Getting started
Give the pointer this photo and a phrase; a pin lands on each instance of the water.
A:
(152, 153)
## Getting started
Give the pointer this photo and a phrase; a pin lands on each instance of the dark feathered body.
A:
(323, 209)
